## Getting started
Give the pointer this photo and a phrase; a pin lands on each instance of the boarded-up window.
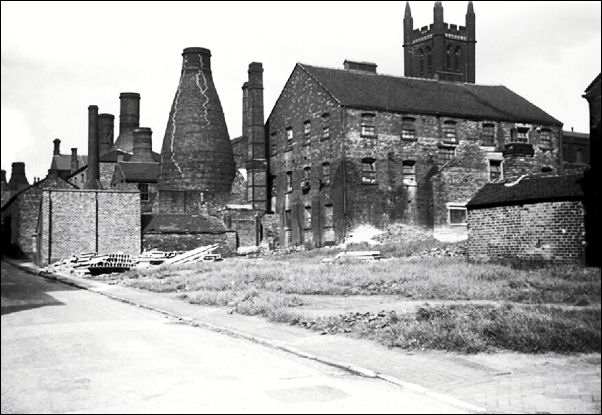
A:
(368, 170)
(488, 135)
(408, 128)
(368, 129)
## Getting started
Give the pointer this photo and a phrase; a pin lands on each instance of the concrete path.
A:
(501, 382)
(69, 350)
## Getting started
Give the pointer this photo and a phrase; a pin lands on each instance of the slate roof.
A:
(48, 182)
(529, 189)
(139, 172)
(184, 224)
(427, 96)
(63, 161)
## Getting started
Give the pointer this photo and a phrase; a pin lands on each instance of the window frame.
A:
(147, 192)
(368, 175)
(447, 131)
(456, 207)
(408, 133)
(485, 127)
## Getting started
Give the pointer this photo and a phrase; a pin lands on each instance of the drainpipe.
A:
(344, 175)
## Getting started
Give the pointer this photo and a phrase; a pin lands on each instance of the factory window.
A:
(368, 170)
(307, 217)
(408, 128)
(326, 173)
(306, 132)
(273, 193)
(273, 143)
(545, 139)
(325, 126)
(409, 172)
(446, 154)
(495, 170)
(143, 188)
(368, 127)
(449, 131)
(289, 181)
(456, 214)
(488, 134)
(289, 134)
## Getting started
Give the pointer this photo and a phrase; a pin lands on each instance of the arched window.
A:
(457, 58)
(448, 57)
(420, 61)
(429, 61)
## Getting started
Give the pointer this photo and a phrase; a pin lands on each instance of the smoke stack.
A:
(93, 178)
(129, 120)
(196, 152)
(18, 180)
(245, 109)
(74, 160)
(105, 133)
(143, 145)
(256, 161)
(57, 147)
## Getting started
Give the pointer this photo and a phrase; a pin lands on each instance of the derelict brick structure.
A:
(196, 156)
(79, 221)
(350, 147)
(20, 216)
(197, 165)
(533, 219)
(441, 50)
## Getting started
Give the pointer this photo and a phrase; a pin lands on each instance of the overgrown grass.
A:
(440, 279)
(474, 328)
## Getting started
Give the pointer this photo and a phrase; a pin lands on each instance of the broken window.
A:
(288, 220)
(307, 217)
(495, 170)
(368, 129)
(520, 134)
(289, 181)
(306, 132)
(408, 128)
(488, 135)
(368, 170)
(449, 131)
(325, 126)
(326, 173)
(306, 179)
(289, 134)
(409, 172)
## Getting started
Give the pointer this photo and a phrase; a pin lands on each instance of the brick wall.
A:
(390, 198)
(78, 221)
(551, 231)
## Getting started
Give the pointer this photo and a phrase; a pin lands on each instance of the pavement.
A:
(482, 383)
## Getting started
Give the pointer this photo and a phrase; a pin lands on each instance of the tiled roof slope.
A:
(413, 95)
(139, 172)
(63, 162)
(529, 189)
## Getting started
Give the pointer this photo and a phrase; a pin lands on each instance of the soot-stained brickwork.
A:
(78, 221)
(349, 147)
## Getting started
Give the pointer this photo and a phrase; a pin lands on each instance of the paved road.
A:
(70, 350)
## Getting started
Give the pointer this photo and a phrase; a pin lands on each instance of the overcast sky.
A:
(58, 58)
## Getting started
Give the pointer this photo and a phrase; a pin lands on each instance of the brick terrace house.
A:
(349, 147)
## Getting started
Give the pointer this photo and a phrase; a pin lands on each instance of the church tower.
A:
(441, 50)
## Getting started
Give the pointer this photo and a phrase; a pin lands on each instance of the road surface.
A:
(70, 350)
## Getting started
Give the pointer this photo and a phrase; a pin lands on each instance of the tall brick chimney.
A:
(93, 176)
(245, 110)
(18, 180)
(74, 160)
(143, 145)
(129, 120)
(196, 154)
(256, 160)
(105, 133)
(57, 147)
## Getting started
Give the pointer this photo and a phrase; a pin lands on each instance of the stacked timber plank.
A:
(355, 256)
(203, 253)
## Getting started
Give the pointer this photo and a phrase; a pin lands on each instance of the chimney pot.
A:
(105, 133)
(18, 179)
(74, 160)
(57, 147)
(143, 145)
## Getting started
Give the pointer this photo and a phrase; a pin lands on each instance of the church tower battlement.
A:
(441, 50)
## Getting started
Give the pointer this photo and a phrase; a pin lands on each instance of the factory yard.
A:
(413, 302)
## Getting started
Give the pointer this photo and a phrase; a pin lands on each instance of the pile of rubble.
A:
(403, 233)
(455, 250)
